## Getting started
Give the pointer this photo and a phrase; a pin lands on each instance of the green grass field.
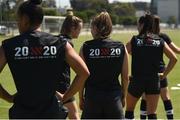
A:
(174, 77)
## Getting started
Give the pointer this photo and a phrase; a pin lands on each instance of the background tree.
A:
(119, 12)
(171, 20)
(49, 3)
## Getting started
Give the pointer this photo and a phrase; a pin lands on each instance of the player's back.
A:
(35, 60)
(104, 59)
(147, 52)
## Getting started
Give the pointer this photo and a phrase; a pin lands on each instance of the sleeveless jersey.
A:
(104, 59)
(146, 55)
(35, 60)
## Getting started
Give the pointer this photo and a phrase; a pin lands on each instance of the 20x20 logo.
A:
(105, 52)
(36, 51)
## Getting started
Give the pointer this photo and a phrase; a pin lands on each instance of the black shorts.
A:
(148, 86)
(103, 106)
(54, 111)
(164, 83)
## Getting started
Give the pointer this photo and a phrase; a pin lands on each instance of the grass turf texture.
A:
(174, 77)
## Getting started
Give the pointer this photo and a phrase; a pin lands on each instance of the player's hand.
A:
(161, 76)
(130, 78)
(59, 95)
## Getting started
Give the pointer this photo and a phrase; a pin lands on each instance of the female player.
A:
(36, 59)
(70, 29)
(106, 59)
(163, 83)
(146, 50)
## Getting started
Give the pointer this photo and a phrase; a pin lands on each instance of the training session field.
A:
(174, 77)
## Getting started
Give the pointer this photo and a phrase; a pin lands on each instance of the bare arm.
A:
(80, 68)
(124, 77)
(172, 60)
(175, 48)
(81, 92)
(3, 93)
(128, 47)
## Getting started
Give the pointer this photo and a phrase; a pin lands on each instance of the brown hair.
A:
(69, 22)
(156, 27)
(103, 24)
(148, 21)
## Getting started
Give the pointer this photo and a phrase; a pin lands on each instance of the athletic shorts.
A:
(164, 83)
(55, 111)
(103, 106)
(148, 86)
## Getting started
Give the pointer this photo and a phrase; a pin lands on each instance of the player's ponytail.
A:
(103, 25)
(156, 27)
(32, 10)
(147, 22)
(69, 22)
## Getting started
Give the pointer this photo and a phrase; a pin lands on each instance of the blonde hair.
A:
(103, 24)
(69, 22)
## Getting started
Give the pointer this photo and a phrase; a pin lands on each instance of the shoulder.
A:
(89, 42)
(165, 37)
(43, 35)
(11, 40)
(135, 38)
(116, 42)
(63, 37)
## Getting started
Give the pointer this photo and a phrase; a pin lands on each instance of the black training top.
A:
(35, 60)
(147, 52)
(104, 59)
(65, 77)
(168, 41)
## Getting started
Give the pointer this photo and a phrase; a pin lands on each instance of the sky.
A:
(63, 3)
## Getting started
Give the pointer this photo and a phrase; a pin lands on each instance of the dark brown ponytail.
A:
(156, 25)
(147, 22)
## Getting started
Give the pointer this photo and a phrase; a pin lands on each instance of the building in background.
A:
(141, 7)
(168, 10)
(154, 6)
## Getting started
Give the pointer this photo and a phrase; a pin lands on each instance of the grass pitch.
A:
(174, 77)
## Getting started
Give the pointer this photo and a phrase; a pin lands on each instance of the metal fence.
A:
(54, 28)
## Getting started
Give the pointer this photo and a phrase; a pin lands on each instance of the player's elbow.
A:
(86, 74)
(178, 51)
(175, 59)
